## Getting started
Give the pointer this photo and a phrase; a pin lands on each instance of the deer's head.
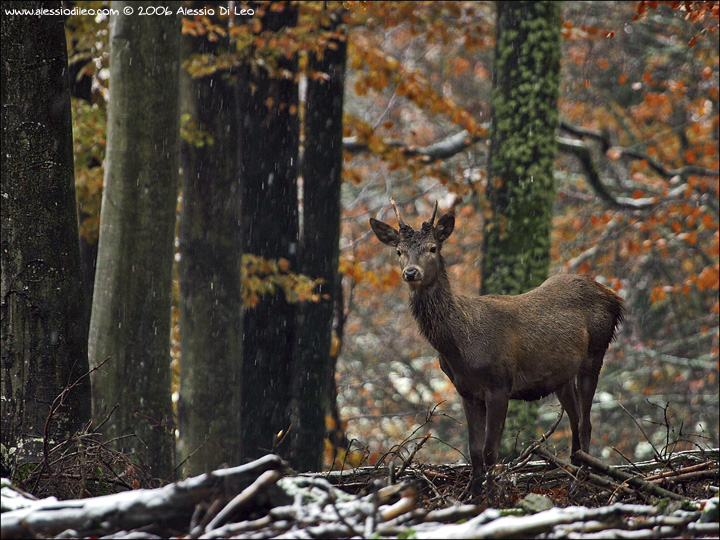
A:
(418, 251)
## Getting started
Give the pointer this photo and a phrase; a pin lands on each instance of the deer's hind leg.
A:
(587, 384)
(568, 397)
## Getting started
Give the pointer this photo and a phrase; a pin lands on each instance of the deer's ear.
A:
(444, 227)
(385, 233)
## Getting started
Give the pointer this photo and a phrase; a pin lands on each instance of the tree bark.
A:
(268, 144)
(44, 330)
(520, 188)
(130, 320)
(209, 270)
(319, 252)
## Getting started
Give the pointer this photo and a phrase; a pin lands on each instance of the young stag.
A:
(495, 348)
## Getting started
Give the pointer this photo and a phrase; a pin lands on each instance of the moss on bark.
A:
(521, 191)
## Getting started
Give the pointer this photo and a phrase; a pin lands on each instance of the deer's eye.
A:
(399, 252)
(433, 249)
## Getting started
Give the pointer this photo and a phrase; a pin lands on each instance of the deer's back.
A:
(534, 342)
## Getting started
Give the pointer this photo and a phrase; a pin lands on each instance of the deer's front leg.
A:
(496, 404)
(475, 413)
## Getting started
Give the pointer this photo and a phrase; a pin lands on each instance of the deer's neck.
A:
(437, 314)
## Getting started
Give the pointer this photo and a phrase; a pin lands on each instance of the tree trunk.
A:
(521, 190)
(269, 155)
(44, 331)
(130, 321)
(319, 251)
(209, 270)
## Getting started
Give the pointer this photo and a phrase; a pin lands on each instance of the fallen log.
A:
(169, 506)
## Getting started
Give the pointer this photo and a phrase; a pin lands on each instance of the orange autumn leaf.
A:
(283, 264)
(657, 294)
(708, 222)
(708, 278)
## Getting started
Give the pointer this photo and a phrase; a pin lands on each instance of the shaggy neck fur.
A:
(437, 314)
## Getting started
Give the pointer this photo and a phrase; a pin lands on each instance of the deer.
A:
(495, 348)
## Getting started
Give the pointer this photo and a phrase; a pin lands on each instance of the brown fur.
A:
(495, 348)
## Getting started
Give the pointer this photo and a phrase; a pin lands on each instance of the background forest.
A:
(235, 299)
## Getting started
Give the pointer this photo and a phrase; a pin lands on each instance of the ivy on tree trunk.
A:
(521, 190)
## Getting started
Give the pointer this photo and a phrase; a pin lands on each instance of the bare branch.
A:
(443, 149)
(606, 144)
(454, 144)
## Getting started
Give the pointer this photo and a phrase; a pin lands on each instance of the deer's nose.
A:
(411, 274)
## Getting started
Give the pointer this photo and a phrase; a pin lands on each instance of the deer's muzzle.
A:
(412, 273)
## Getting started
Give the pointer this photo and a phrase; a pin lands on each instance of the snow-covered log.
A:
(169, 506)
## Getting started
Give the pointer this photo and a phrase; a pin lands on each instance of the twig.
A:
(215, 507)
(191, 454)
(331, 498)
(403, 506)
(629, 461)
(657, 454)
(428, 418)
(107, 417)
(409, 459)
(433, 487)
(280, 438)
(523, 458)
(54, 406)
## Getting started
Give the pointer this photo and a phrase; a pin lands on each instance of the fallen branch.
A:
(576, 472)
(687, 477)
(629, 479)
(684, 470)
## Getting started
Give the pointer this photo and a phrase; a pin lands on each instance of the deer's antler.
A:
(432, 218)
(397, 214)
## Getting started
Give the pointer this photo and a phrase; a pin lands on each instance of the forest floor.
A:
(538, 495)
